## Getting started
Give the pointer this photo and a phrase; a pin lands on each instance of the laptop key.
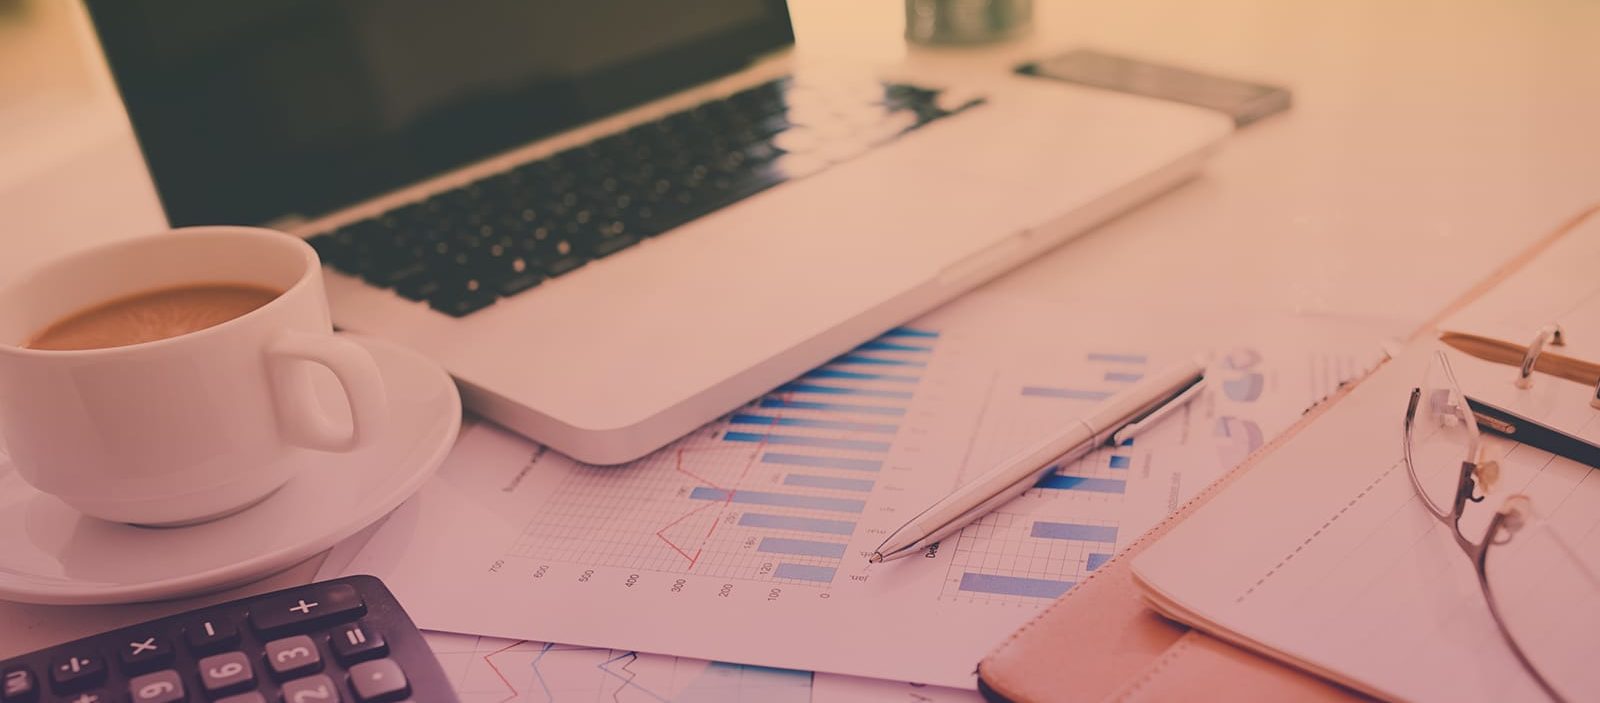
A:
(461, 303)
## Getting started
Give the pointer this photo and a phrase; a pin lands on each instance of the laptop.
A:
(613, 221)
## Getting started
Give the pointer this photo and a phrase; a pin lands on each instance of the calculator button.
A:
(304, 608)
(380, 680)
(356, 642)
(226, 673)
(315, 689)
(251, 697)
(161, 687)
(141, 652)
(96, 696)
(210, 633)
(19, 685)
(77, 671)
(293, 655)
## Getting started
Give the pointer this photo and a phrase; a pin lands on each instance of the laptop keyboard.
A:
(461, 250)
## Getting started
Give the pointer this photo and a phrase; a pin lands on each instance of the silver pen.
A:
(1119, 417)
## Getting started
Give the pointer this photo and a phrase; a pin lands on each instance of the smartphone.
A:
(1245, 102)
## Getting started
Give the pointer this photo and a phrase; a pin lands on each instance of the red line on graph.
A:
(487, 659)
(676, 548)
(678, 464)
(727, 499)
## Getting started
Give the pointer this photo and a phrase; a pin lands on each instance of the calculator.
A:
(338, 641)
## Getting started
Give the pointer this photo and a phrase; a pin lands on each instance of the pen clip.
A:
(1160, 411)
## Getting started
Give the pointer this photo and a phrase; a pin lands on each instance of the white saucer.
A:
(50, 553)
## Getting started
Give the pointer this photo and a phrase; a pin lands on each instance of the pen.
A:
(1509, 424)
(1118, 418)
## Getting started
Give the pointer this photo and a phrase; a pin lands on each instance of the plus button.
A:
(304, 608)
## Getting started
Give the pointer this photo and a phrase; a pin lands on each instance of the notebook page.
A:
(1323, 555)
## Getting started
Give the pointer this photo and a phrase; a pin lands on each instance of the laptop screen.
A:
(248, 112)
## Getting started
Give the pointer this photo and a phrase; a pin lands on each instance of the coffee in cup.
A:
(178, 377)
(151, 315)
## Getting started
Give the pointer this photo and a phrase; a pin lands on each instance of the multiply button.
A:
(77, 671)
(304, 608)
(19, 686)
(143, 652)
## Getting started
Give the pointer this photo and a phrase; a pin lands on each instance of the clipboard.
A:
(1100, 641)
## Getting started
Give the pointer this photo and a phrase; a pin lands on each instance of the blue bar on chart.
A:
(825, 462)
(1118, 358)
(1123, 376)
(831, 407)
(801, 547)
(911, 332)
(1096, 559)
(1119, 461)
(878, 361)
(838, 484)
(1082, 483)
(861, 376)
(842, 390)
(805, 572)
(1068, 530)
(880, 345)
(798, 524)
(859, 445)
(1013, 585)
(873, 427)
(786, 500)
(1068, 393)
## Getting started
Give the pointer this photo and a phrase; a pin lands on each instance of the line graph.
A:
(488, 670)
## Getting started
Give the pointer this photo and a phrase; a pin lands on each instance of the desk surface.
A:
(1428, 142)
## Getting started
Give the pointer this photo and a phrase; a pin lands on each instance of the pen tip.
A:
(876, 557)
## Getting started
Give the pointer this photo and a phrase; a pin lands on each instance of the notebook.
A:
(1321, 556)
(1146, 657)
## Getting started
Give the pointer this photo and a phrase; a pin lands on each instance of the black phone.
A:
(1244, 101)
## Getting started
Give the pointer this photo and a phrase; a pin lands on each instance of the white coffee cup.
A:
(187, 428)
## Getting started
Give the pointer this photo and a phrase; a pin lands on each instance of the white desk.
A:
(1428, 143)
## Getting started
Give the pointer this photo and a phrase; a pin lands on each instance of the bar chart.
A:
(1014, 557)
(772, 492)
(1042, 544)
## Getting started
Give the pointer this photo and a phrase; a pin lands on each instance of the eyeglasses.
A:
(1543, 596)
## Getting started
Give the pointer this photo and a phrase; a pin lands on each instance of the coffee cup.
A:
(192, 426)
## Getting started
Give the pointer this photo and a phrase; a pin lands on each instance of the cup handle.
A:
(301, 418)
